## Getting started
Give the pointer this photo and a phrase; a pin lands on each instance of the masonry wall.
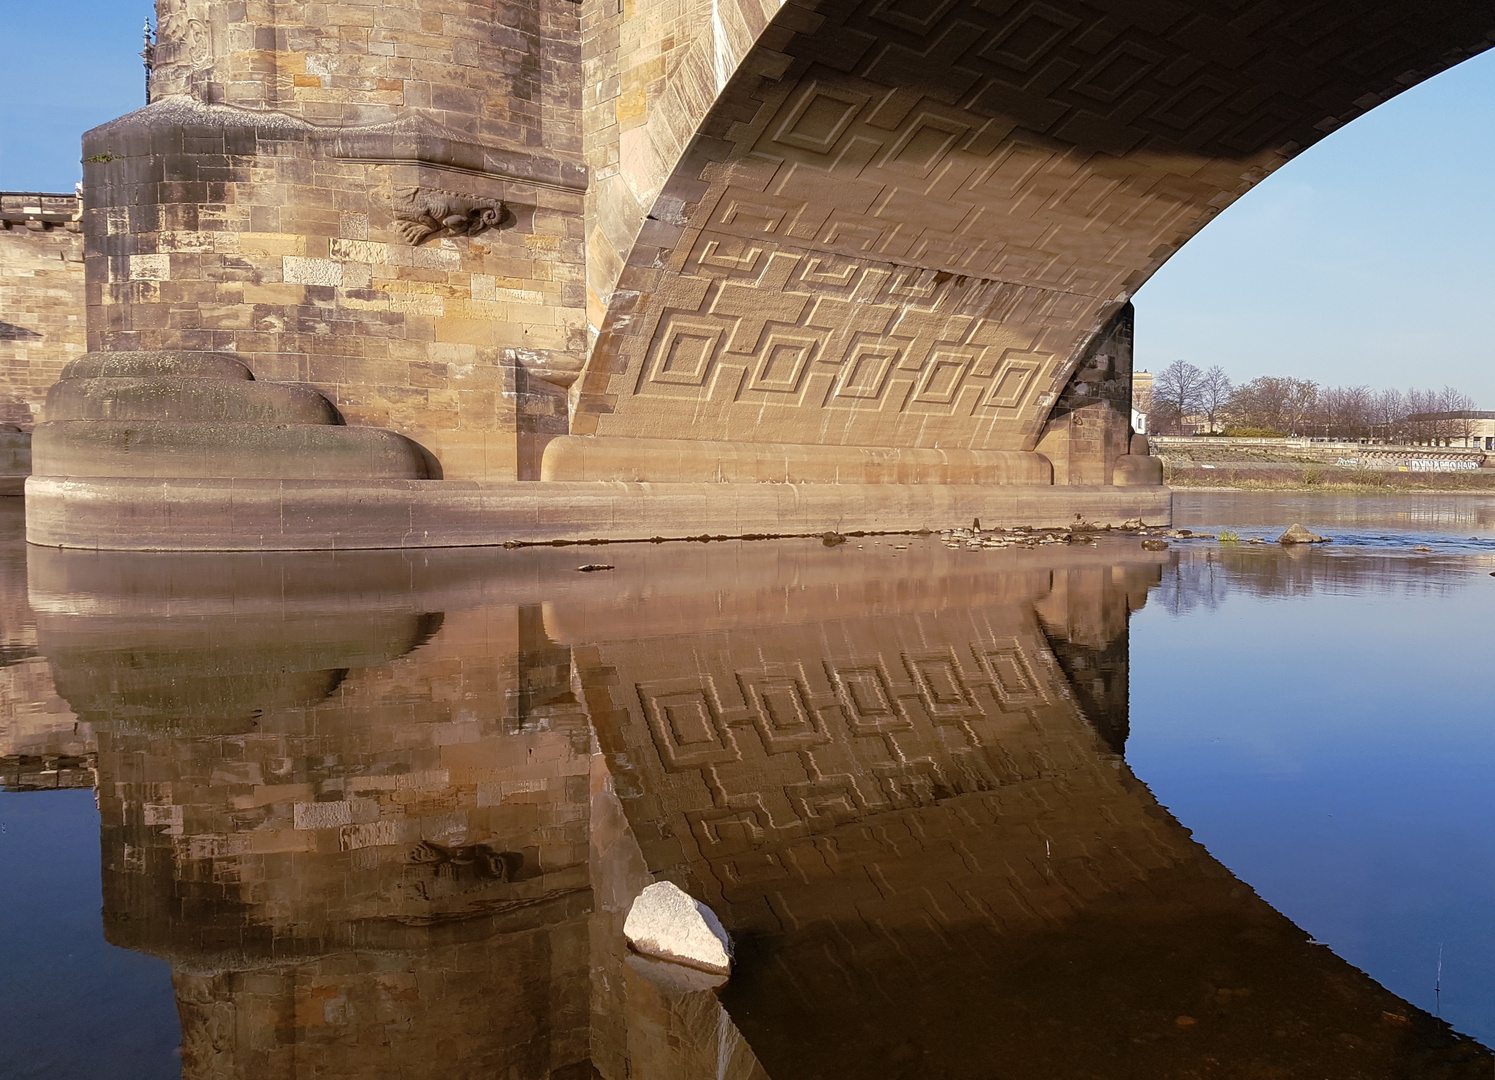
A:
(283, 195)
(42, 323)
(42, 744)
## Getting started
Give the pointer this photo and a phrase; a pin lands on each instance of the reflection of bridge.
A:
(408, 842)
(731, 268)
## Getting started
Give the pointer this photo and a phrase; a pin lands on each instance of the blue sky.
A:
(66, 70)
(1366, 260)
(1369, 258)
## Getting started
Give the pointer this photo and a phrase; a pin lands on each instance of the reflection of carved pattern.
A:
(423, 213)
(694, 722)
(758, 752)
(924, 764)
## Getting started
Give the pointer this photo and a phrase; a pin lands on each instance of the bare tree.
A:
(1258, 403)
(1390, 410)
(1300, 407)
(1458, 424)
(1419, 425)
(1176, 393)
(1359, 412)
(1298, 403)
(1342, 412)
(1214, 394)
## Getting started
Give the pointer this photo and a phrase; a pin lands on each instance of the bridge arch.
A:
(910, 225)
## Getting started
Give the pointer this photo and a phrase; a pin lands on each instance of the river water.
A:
(1061, 810)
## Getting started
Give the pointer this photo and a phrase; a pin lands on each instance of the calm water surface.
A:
(1069, 811)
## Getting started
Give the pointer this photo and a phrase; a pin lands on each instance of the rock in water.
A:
(1296, 534)
(1154, 545)
(666, 922)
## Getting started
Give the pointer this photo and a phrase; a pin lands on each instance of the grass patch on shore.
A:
(1320, 478)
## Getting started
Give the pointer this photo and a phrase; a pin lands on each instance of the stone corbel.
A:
(424, 213)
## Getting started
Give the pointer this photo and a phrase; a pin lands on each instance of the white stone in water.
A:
(666, 922)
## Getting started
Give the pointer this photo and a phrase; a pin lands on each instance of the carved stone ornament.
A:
(423, 213)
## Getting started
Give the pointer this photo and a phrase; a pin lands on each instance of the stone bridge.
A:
(631, 268)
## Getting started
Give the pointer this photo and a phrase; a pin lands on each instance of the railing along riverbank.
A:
(1380, 456)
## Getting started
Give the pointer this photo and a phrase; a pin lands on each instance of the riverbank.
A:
(1305, 465)
(1304, 477)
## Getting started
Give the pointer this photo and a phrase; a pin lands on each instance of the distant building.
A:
(1468, 428)
(1141, 400)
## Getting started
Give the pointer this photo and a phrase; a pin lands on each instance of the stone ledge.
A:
(40, 211)
(179, 124)
(684, 461)
(143, 514)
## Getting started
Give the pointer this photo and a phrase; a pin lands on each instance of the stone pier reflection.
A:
(384, 813)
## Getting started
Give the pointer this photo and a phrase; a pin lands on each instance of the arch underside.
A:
(905, 224)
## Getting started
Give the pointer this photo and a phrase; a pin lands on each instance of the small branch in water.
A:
(1438, 985)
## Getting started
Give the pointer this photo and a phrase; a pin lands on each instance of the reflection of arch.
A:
(878, 771)
(950, 871)
(975, 190)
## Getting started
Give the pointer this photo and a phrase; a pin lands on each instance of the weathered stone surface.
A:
(15, 461)
(666, 922)
(296, 248)
(138, 513)
(163, 399)
(155, 364)
(914, 241)
(699, 461)
(41, 298)
(203, 448)
(1130, 470)
(1297, 534)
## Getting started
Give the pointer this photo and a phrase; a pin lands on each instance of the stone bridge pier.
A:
(441, 272)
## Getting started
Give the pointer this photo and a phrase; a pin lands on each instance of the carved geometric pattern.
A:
(687, 349)
(959, 180)
(785, 329)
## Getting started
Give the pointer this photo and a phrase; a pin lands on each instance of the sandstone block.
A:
(15, 461)
(604, 458)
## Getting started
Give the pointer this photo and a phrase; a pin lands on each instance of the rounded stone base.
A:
(141, 514)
